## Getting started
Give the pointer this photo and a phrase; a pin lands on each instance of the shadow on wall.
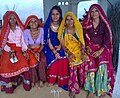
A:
(114, 15)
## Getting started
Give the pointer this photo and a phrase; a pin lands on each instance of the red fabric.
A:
(37, 70)
(9, 69)
(5, 28)
(28, 20)
(32, 60)
(58, 72)
(87, 23)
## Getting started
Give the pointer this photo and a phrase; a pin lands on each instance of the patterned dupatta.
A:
(78, 28)
(49, 20)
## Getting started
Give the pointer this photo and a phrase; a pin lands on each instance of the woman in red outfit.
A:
(12, 62)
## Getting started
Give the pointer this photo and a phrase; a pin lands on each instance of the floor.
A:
(45, 92)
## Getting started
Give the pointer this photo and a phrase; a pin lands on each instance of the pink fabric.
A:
(77, 78)
(16, 37)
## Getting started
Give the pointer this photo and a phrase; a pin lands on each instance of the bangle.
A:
(55, 52)
(53, 49)
(66, 49)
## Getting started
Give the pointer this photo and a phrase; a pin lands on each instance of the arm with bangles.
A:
(71, 56)
(54, 50)
(98, 52)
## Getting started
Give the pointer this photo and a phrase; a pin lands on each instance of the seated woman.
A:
(70, 34)
(34, 39)
(98, 38)
(12, 61)
(57, 63)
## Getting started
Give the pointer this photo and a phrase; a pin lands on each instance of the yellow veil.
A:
(77, 25)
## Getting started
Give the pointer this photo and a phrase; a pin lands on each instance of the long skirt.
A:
(97, 82)
(58, 72)
(77, 78)
(9, 69)
(37, 69)
(9, 84)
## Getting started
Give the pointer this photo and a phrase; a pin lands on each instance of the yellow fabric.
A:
(70, 41)
(75, 48)
(78, 27)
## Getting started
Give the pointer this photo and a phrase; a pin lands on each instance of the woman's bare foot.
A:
(72, 95)
(102, 96)
(33, 84)
(50, 84)
(41, 84)
(2, 88)
(90, 95)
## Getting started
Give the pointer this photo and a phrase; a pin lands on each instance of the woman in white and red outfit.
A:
(12, 45)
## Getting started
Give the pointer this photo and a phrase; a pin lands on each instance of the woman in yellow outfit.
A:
(70, 34)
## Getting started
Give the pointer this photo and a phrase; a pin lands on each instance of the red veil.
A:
(28, 20)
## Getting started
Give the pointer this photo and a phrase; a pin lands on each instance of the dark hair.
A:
(59, 10)
(28, 27)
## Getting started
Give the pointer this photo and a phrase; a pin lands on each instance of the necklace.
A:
(54, 28)
(35, 34)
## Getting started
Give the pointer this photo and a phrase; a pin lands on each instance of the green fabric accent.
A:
(98, 82)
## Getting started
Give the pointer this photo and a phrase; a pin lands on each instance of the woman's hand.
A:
(12, 54)
(57, 55)
(84, 57)
(71, 57)
(88, 50)
(97, 53)
(26, 55)
(57, 48)
(37, 56)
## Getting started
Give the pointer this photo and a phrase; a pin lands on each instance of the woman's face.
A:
(12, 20)
(94, 13)
(55, 15)
(33, 24)
(69, 22)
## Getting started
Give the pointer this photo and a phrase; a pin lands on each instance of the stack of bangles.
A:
(54, 51)
(66, 50)
(31, 51)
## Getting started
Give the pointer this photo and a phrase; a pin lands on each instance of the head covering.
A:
(78, 27)
(32, 17)
(6, 28)
(87, 23)
(49, 20)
